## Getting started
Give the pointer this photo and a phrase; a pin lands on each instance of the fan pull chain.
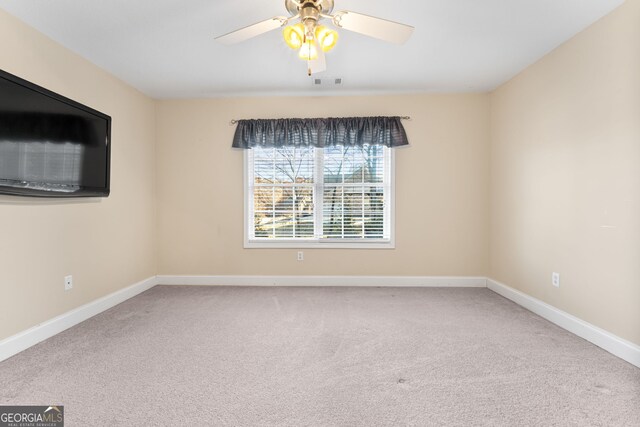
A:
(304, 43)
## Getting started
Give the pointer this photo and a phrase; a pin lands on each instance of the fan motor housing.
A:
(324, 6)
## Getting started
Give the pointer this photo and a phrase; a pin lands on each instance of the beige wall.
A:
(106, 244)
(565, 176)
(441, 181)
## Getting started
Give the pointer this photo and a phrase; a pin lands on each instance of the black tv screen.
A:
(51, 146)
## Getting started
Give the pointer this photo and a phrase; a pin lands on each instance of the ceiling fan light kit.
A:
(295, 37)
(313, 40)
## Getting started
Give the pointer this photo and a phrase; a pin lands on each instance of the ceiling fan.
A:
(310, 38)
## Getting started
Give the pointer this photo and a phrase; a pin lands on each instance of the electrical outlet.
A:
(555, 279)
(300, 256)
(68, 282)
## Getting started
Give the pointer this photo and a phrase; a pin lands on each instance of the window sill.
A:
(291, 244)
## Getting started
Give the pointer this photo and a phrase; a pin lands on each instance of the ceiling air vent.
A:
(328, 81)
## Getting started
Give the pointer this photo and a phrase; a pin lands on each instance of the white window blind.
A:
(305, 196)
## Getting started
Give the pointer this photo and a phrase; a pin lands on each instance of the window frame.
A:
(318, 243)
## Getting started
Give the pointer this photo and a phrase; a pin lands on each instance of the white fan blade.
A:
(378, 28)
(253, 30)
(319, 64)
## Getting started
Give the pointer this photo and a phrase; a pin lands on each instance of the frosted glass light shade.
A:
(327, 38)
(294, 35)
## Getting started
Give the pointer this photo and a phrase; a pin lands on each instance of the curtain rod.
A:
(235, 121)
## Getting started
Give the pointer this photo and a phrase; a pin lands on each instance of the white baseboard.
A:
(613, 344)
(32, 336)
(390, 281)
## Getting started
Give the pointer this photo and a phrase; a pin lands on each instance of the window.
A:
(336, 196)
(319, 182)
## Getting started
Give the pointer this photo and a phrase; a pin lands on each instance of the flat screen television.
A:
(51, 146)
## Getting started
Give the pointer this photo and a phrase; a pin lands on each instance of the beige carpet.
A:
(201, 356)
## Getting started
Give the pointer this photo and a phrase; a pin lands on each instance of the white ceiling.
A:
(166, 48)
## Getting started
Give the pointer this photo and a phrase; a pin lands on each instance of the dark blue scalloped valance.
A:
(349, 131)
